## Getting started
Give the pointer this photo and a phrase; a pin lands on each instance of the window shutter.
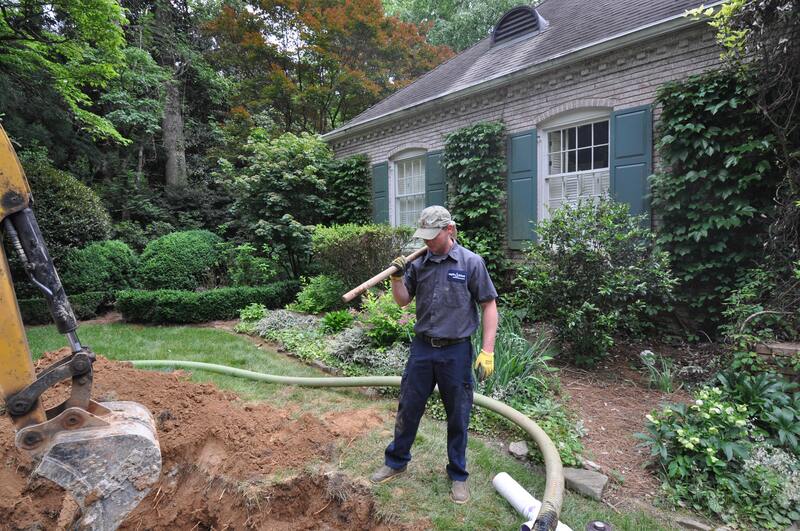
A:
(631, 157)
(434, 179)
(521, 186)
(380, 193)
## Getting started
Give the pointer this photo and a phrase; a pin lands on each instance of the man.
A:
(449, 282)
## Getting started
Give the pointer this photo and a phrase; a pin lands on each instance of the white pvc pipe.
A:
(521, 500)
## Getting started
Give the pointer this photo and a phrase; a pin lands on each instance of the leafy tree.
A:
(280, 194)
(313, 64)
(78, 43)
(135, 103)
(455, 23)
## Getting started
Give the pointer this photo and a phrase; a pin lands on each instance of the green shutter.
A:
(434, 179)
(521, 187)
(380, 193)
(631, 157)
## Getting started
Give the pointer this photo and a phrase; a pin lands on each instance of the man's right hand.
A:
(400, 264)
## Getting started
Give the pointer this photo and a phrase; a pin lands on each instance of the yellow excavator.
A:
(105, 455)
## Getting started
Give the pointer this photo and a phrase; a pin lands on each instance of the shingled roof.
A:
(573, 25)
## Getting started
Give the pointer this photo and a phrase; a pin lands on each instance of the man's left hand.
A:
(484, 364)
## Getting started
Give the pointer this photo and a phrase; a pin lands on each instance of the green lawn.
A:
(421, 493)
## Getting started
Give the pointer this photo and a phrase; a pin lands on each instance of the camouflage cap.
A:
(431, 221)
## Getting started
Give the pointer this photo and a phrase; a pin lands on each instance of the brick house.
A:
(574, 83)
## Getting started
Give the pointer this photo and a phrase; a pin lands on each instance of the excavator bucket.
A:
(107, 463)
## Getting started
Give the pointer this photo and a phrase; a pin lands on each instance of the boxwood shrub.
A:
(181, 260)
(175, 306)
(34, 311)
(101, 266)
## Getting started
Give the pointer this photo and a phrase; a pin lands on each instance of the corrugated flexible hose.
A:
(554, 475)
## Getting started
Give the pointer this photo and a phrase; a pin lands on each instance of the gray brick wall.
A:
(622, 78)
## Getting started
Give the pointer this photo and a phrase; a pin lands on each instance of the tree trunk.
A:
(174, 142)
(140, 165)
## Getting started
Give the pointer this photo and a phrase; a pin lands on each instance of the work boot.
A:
(459, 492)
(385, 473)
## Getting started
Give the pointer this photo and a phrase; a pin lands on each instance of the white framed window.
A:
(408, 187)
(573, 161)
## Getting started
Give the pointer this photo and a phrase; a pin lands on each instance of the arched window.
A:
(573, 159)
(407, 186)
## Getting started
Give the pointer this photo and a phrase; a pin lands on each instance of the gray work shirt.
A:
(448, 289)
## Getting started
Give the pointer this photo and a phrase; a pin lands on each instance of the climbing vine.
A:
(715, 194)
(474, 161)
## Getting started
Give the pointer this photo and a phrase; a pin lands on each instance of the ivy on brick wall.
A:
(474, 162)
(348, 183)
(715, 194)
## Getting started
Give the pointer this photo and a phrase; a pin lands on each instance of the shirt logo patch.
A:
(456, 275)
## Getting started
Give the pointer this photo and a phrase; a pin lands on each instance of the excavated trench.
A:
(228, 464)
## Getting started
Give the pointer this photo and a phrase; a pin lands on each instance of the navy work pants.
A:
(451, 369)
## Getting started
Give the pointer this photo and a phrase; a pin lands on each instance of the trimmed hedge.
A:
(174, 306)
(85, 305)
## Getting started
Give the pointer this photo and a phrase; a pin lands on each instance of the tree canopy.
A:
(457, 24)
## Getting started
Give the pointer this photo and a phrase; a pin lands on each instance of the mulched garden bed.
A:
(612, 400)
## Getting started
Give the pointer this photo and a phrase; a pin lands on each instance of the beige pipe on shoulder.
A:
(380, 277)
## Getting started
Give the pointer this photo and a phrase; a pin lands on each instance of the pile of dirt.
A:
(221, 456)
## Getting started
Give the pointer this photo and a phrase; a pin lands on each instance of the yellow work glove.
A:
(484, 364)
(400, 266)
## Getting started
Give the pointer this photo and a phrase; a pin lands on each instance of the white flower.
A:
(698, 402)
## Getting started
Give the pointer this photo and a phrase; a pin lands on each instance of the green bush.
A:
(181, 261)
(348, 183)
(249, 316)
(174, 306)
(765, 306)
(136, 236)
(247, 268)
(84, 305)
(102, 266)
(733, 452)
(335, 322)
(70, 214)
(593, 273)
(319, 294)
(356, 253)
(387, 322)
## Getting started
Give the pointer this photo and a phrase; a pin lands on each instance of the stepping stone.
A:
(518, 449)
(688, 523)
(586, 482)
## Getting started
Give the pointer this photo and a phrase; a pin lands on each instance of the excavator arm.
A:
(105, 455)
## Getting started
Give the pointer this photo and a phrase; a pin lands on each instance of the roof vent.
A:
(522, 20)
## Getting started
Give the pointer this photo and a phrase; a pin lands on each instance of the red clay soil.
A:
(218, 452)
